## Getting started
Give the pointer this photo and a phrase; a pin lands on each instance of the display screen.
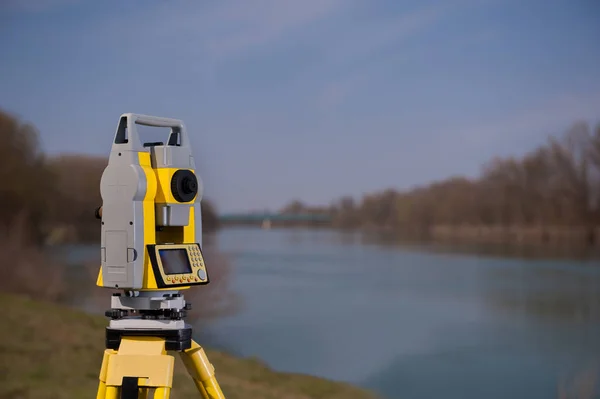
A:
(175, 261)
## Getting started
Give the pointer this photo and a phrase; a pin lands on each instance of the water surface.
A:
(407, 322)
(410, 323)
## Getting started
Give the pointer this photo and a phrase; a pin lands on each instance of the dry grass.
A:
(24, 269)
(51, 352)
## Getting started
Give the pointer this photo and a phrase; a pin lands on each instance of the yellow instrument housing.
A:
(151, 205)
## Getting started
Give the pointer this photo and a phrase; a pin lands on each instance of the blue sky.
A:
(310, 99)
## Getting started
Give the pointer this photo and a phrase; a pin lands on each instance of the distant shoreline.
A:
(528, 241)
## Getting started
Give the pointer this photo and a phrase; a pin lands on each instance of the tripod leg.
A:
(202, 372)
(140, 364)
(112, 393)
(161, 393)
(105, 392)
(101, 390)
(154, 393)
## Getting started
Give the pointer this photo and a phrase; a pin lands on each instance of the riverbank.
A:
(575, 242)
(513, 241)
(564, 236)
(577, 236)
(49, 351)
(484, 242)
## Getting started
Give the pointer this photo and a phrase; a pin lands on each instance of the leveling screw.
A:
(115, 313)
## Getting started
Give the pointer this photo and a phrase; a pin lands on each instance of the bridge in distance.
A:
(273, 218)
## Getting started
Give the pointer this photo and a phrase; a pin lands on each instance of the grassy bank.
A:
(48, 351)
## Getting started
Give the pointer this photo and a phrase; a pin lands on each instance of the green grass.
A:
(48, 351)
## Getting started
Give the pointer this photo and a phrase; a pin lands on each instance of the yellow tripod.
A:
(142, 369)
(137, 364)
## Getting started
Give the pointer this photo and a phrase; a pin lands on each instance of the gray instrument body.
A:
(123, 188)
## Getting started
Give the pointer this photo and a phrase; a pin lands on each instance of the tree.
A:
(27, 185)
(594, 154)
(210, 218)
(295, 207)
(572, 168)
(554, 185)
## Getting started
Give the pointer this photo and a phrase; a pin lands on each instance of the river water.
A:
(408, 322)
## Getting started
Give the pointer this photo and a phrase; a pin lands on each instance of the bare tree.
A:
(555, 185)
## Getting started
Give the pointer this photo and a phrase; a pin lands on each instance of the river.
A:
(408, 322)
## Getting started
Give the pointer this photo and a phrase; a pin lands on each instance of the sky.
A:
(311, 99)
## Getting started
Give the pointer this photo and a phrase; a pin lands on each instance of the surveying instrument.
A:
(151, 249)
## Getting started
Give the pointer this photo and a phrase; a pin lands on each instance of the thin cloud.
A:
(34, 5)
(260, 23)
(216, 33)
(540, 121)
(336, 92)
(358, 44)
(355, 42)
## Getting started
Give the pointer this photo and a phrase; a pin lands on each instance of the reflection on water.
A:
(549, 292)
(409, 322)
(524, 251)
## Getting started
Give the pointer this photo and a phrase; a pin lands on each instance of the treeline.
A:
(55, 196)
(297, 207)
(550, 194)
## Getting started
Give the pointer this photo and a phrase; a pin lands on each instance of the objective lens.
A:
(184, 185)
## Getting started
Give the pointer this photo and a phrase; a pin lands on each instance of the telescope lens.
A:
(184, 185)
(190, 186)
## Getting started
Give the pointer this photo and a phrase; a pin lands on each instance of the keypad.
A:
(195, 257)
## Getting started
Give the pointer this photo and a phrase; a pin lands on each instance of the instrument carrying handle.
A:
(128, 137)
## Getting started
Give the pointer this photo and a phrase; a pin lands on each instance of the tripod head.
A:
(151, 211)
